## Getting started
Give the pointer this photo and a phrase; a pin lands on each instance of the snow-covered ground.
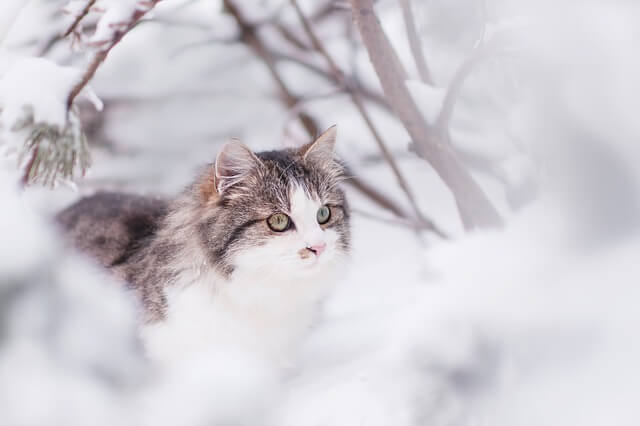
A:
(533, 324)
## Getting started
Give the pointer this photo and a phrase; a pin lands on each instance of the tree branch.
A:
(79, 18)
(250, 37)
(475, 209)
(101, 55)
(415, 44)
(340, 78)
(479, 54)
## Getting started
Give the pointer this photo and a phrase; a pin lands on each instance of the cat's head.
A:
(281, 212)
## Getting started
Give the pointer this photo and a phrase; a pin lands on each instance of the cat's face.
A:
(280, 213)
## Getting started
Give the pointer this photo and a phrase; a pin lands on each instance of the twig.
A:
(249, 37)
(252, 40)
(415, 44)
(79, 18)
(481, 51)
(401, 222)
(475, 209)
(353, 85)
(100, 56)
(355, 97)
(478, 54)
(288, 35)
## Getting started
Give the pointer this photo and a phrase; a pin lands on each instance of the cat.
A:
(240, 259)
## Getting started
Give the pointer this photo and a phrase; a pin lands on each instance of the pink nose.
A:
(317, 249)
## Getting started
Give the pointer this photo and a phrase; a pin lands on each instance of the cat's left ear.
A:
(233, 164)
(321, 151)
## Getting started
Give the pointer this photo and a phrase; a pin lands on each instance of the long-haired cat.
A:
(241, 258)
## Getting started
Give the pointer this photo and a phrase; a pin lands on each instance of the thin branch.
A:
(353, 85)
(357, 100)
(79, 18)
(400, 222)
(415, 43)
(475, 209)
(288, 35)
(101, 55)
(207, 41)
(479, 54)
(249, 37)
(252, 40)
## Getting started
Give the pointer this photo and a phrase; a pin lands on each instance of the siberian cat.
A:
(241, 258)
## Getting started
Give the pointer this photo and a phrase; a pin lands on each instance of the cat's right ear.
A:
(234, 162)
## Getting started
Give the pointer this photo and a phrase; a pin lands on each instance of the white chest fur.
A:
(248, 313)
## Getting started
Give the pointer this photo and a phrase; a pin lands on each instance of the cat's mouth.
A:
(312, 254)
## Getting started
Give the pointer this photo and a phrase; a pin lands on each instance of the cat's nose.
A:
(317, 249)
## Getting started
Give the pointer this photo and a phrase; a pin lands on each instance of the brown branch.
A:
(249, 37)
(475, 209)
(415, 44)
(340, 78)
(353, 85)
(396, 221)
(79, 18)
(101, 55)
(253, 41)
(288, 35)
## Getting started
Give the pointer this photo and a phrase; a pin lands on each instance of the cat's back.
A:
(111, 226)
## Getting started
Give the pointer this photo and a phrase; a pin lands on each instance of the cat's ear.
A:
(234, 162)
(321, 151)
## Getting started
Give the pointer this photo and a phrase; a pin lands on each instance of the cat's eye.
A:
(323, 215)
(279, 222)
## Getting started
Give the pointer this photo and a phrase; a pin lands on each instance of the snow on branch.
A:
(34, 122)
(38, 120)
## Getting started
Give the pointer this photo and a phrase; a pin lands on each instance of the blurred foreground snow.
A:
(535, 324)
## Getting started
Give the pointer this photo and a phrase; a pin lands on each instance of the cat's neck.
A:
(248, 311)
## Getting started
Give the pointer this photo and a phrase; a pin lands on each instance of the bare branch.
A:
(415, 44)
(250, 38)
(253, 41)
(357, 100)
(401, 222)
(288, 35)
(353, 85)
(475, 209)
(480, 53)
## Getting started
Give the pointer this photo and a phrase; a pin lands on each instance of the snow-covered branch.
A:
(38, 118)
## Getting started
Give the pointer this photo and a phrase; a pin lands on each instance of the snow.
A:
(428, 98)
(532, 324)
(37, 83)
(9, 11)
(116, 14)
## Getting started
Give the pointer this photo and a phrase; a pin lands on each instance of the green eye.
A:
(279, 222)
(323, 215)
